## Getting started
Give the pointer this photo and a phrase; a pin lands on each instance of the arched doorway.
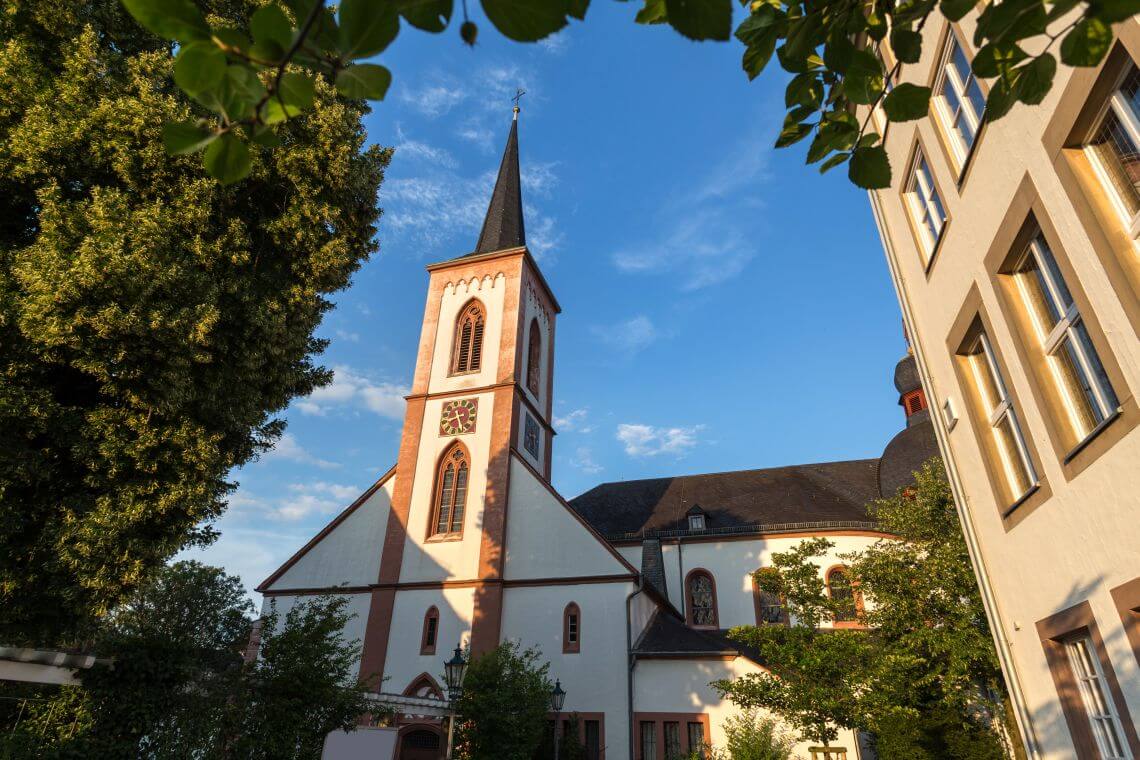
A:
(421, 743)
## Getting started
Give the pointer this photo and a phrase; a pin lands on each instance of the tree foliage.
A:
(253, 78)
(752, 736)
(177, 685)
(152, 322)
(924, 674)
(502, 711)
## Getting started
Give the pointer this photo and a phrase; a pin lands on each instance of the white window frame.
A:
(920, 204)
(696, 522)
(1001, 411)
(948, 76)
(879, 112)
(1130, 122)
(1053, 339)
(1093, 684)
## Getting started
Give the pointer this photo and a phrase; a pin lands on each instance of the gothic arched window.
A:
(841, 591)
(431, 631)
(534, 358)
(700, 598)
(770, 609)
(571, 628)
(451, 492)
(468, 349)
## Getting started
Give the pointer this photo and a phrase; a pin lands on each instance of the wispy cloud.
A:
(301, 500)
(650, 441)
(289, 449)
(351, 389)
(707, 234)
(435, 97)
(573, 421)
(583, 459)
(629, 336)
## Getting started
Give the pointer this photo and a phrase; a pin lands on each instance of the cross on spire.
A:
(519, 92)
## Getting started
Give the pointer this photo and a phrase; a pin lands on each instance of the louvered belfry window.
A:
(469, 338)
(452, 492)
(534, 358)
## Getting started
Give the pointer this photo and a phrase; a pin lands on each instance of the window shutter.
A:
(477, 344)
(464, 347)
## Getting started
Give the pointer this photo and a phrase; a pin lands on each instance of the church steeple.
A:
(503, 226)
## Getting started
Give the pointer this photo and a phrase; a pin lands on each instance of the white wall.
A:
(490, 291)
(545, 540)
(403, 662)
(358, 605)
(350, 554)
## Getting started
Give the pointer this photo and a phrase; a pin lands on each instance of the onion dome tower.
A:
(915, 444)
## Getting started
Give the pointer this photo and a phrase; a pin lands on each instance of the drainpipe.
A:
(989, 599)
(681, 578)
(632, 661)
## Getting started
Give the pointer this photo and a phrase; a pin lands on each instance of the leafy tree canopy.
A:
(257, 76)
(502, 711)
(152, 321)
(923, 674)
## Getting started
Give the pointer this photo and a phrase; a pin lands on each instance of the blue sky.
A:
(724, 306)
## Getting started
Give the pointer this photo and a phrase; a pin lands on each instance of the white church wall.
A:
(641, 613)
(595, 677)
(428, 559)
(545, 540)
(631, 554)
(403, 662)
(358, 605)
(533, 309)
(350, 553)
(490, 291)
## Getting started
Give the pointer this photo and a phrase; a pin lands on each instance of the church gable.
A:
(546, 539)
(345, 552)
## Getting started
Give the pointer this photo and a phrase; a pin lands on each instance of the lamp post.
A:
(557, 699)
(453, 672)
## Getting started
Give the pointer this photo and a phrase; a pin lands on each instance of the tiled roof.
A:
(668, 636)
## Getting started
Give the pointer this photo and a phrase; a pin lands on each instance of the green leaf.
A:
(833, 162)
(1087, 43)
(802, 40)
(236, 95)
(955, 10)
(182, 137)
(294, 95)
(757, 24)
(838, 52)
(870, 168)
(793, 133)
(868, 139)
(864, 80)
(367, 27)
(906, 45)
(227, 159)
(1060, 8)
(301, 9)
(428, 15)
(1112, 11)
(993, 59)
(1036, 79)
(653, 12)
(577, 8)
(1003, 94)
(270, 27)
(757, 54)
(468, 32)
(804, 90)
(907, 102)
(231, 37)
(264, 137)
(525, 20)
(701, 19)
(364, 80)
(1010, 21)
(876, 27)
(171, 19)
(200, 66)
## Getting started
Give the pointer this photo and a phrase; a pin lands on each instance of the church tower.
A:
(481, 390)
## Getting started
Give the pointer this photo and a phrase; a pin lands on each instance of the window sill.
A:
(442, 538)
(1096, 431)
(466, 372)
(1021, 500)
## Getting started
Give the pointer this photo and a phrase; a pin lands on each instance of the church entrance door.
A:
(421, 744)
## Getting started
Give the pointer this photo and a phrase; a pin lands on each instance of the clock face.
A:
(458, 416)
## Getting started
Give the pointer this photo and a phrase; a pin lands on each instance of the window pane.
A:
(1120, 158)
(1015, 469)
(1034, 289)
(839, 586)
(1099, 709)
(1092, 359)
(987, 385)
(701, 599)
(697, 738)
(445, 499)
(672, 740)
(593, 740)
(460, 498)
(648, 740)
(1085, 411)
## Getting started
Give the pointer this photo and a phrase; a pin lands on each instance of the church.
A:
(628, 590)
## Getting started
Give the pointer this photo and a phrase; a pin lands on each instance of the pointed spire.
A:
(503, 226)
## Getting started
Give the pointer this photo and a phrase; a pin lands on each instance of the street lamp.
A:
(453, 672)
(557, 699)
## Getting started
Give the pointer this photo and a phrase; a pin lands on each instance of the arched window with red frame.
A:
(450, 499)
(843, 592)
(534, 359)
(770, 607)
(572, 629)
(431, 631)
(467, 354)
(700, 599)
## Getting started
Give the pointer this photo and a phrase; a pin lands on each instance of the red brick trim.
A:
(427, 643)
(1127, 599)
(575, 646)
(265, 584)
(659, 719)
(689, 599)
(1053, 631)
(376, 630)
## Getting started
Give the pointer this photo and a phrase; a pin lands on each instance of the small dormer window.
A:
(697, 518)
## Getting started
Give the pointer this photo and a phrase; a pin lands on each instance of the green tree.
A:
(752, 736)
(253, 81)
(178, 687)
(502, 711)
(152, 322)
(924, 675)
